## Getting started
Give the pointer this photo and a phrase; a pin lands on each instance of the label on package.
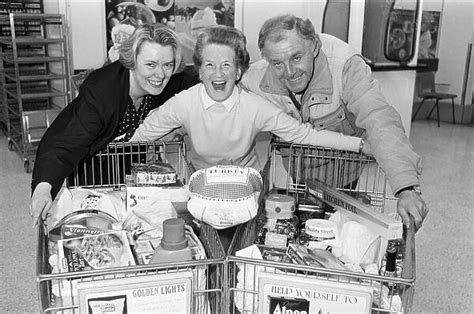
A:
(227, 174)
(275, 240)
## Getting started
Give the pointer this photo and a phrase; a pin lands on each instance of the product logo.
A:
(288, 306)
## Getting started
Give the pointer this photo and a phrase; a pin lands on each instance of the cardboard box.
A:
(388, 227)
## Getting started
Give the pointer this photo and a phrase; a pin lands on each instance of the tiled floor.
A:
(444, 245)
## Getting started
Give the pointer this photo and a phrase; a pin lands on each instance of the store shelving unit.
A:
(35, 80)
(21, 6)
(6, 7)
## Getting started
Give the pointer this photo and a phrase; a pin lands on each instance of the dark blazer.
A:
(90, 121)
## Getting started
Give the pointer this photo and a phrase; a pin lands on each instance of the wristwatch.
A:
(413, 188)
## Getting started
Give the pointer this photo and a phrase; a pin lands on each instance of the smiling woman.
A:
(154, 67)
(221, 119)
(111, 104)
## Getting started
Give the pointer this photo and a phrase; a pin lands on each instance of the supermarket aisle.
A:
(444, 245)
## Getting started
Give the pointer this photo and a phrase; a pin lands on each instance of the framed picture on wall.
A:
(186, 17)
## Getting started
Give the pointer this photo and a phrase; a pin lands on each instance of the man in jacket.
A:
(320, 79)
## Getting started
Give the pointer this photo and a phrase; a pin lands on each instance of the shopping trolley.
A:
(291, 168)
(109, 170)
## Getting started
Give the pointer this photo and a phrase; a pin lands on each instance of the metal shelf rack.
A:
(35, 80)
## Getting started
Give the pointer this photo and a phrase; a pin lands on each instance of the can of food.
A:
(279, 206)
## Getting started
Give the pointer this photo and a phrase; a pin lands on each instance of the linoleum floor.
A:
(444, 245)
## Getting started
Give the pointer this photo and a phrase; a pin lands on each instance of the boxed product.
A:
(384, 225)
(97, 251)
(153, 174)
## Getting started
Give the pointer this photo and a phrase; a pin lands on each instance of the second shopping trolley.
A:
(258, 285)
(196, 286)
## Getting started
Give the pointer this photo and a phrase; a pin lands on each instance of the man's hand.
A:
(411, 203)
(365, 148)
(41, 202)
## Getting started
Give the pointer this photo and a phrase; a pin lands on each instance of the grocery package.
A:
(224, 196)
(95, 251)
(68, 201)
(153, 174)
(278, 224)
(384, 225)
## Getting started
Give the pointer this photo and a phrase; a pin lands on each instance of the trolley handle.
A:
(409, 237)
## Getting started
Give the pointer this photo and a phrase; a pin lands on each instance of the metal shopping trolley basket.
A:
(343, 179)
(197, 286)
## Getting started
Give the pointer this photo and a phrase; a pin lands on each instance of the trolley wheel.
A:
(27, 166)
(11, 147)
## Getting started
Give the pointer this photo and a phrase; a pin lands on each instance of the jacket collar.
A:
(321, 81)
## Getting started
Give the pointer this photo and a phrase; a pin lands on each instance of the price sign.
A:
(279, 293)
(162, 293)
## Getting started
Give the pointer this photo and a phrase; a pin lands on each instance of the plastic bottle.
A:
(391, 268)
(174, 245)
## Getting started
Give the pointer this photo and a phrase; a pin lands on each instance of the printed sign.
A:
(162, 293)
(278, 293)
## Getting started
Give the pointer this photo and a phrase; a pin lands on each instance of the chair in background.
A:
(427, 91)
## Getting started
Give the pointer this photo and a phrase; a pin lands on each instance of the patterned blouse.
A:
(132, 119)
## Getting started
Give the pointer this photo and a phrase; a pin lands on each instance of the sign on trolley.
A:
(278, 294)
(161, 293)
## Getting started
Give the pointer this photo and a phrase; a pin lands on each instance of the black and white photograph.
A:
(236, 156)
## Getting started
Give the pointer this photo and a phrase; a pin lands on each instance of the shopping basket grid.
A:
(108, 169)
(355, 174)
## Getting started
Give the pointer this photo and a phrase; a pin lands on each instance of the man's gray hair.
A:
(273, 27)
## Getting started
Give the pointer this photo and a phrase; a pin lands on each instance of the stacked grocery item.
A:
(99, 228)
(315, 228)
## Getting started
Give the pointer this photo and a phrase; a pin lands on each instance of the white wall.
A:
(86, 19)
(457, 28)
(88, 33)
(398, 87)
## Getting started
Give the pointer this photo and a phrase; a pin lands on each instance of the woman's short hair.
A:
(273, 27)
(155, 33)
(226, 36)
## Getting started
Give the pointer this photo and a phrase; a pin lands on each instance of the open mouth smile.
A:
(219, 85)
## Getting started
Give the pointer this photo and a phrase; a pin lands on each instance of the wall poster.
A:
(186, 17)
(429, 35)
(400, 35)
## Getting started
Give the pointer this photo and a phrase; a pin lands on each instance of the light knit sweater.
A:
(226, 131)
